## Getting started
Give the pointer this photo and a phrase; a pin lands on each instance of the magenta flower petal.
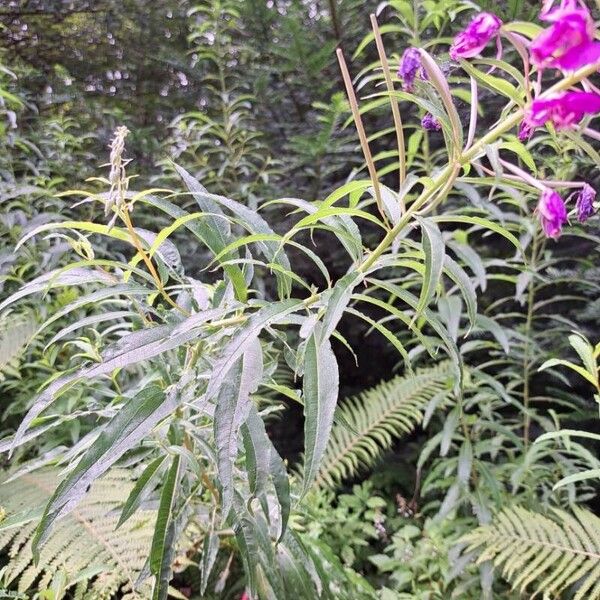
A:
(563, 110)
(476, 36)
(586, 54)
(585, 203)
(569, 43)
(552, 213)
(409, 68)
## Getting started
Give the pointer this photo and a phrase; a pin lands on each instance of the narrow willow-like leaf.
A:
(163, 542)
(231, 411)
(214, 231)
(132, 349)
(320, 391)
(252, 221)
(435, 251)
(244, 337)
(125, 430)
(210, 549)
(245, 535)
(136, 495)
(263, 463)
(58, 278)
(481, 222)
(337, 301)
(463, 281)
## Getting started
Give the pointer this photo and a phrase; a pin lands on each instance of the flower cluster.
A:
(568, 43)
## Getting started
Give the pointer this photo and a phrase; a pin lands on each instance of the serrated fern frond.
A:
(84, 545)
(368, 423)
(549, 554)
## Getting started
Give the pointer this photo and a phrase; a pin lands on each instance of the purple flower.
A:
(585, 203)
(474, 38)
(525, 130)
(430, 123)
(409, 68)
(552, 213)
(563, 110)
(569, 42)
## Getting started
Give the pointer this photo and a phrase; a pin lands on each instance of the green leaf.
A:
(210, 549)
(231, 411)
(337, 301)
(163, 541)
(143, 484)
(213, 231)
(244, 336)
(586, 353)
(486, 223)
(320, 391)
(494, 83)
(135, 419)
(263, 463)
(435, 251)
(575, 477)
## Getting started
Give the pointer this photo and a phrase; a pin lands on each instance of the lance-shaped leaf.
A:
(320, 391)
(264, 464)
(140, 489)
(244, 337)
(213, 232)
(134, 348)
(337, 301)
(126, 429)
(434, 249)
(250, 219)
(210, 549)
(163, 542)
(232, 408)
(59, 277)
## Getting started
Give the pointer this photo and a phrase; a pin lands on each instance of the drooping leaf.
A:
(320, 392)
(125, 430)
(163, 542)
(232, 408)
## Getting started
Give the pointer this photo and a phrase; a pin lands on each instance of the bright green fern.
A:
(84, 546)
(554, 553)
(368, 423)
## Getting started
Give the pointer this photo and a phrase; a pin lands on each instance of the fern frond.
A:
(550, 554)
(368, 423)
(83, 544)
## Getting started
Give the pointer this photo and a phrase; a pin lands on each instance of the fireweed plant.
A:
(188, 362)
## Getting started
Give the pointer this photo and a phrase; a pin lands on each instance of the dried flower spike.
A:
(117, 176)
